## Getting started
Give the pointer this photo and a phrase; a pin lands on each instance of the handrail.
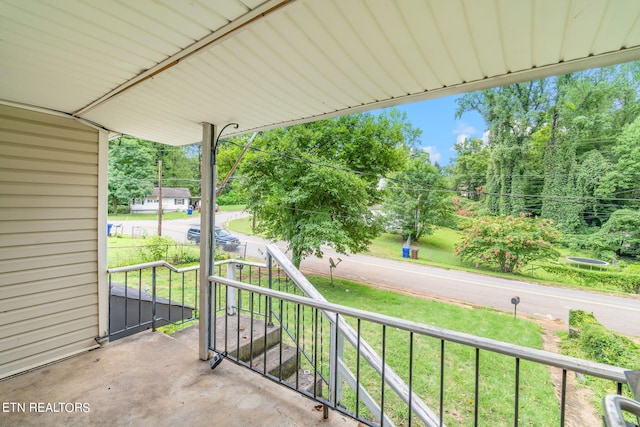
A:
(151, 265)
(368, 353)
(175, 269)
(569, 363)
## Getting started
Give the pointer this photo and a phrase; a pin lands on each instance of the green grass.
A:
(125, 250)
(497, 373)
(436, 249)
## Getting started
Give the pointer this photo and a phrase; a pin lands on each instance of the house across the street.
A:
(173, 200)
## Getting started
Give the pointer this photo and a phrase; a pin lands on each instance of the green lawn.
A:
(496, 372)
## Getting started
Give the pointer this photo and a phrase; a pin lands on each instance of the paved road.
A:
(175, 228)
(618, 314)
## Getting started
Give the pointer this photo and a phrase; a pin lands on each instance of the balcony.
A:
(328, 364)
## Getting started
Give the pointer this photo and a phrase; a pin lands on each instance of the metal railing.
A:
(395, 370)
(153, 294)
(150, 295)
(465, 379)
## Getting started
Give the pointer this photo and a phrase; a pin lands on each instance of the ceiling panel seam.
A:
(214, 38)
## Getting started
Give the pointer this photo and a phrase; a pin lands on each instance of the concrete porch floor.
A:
(151, 379)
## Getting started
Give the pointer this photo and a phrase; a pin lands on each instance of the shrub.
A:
(508, 242)
(156, 248)
(625, 282)
(232, 197)
(600, 344)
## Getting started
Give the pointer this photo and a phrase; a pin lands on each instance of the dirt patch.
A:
(579, 410)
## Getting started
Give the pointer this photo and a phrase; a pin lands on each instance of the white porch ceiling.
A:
(157, 69)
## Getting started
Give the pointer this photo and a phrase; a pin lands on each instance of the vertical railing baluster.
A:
(315, 353)
(268, 306)
(410, 375)
(251, 308)
(384, 353)
(226, 321)
(441, 381)
(280, 325)
(264, 364)
(110, 330)
(196, 294)
(170, 286)
(297, 346)
(334, 374)
(238, 315)
(182, 297)
(153, 298)
(517, 393)
(563, 396)
(477, 387)
(358, 369)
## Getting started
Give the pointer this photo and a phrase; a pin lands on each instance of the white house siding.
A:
(49, 238)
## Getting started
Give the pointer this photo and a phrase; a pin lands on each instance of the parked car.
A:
(224, 239)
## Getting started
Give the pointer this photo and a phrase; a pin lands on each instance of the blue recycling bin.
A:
(405, 252)
(189, 211)
(109, 229)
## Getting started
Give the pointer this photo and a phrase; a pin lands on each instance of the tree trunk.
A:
(296, 256)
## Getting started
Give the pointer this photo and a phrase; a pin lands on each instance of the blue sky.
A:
(440, 129)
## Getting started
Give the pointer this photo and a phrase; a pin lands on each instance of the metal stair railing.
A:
(368, 353)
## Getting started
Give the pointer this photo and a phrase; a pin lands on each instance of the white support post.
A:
(207, 244)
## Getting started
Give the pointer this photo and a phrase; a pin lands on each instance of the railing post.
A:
(268, 314)
(231, 292)
(153, 298)
(336, 355)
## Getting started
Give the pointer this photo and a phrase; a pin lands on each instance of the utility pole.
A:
(159, 197)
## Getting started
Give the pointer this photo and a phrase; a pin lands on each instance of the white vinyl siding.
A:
(48, 238)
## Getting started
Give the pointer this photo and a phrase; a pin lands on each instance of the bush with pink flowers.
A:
(508, 242)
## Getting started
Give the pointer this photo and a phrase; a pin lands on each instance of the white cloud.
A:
(485, 137)
(465, 129)
(461, 137)
(434, 154)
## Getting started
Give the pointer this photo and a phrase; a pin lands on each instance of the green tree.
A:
(513, 113)
(621, 182)
(314, 184)
(415, 199)
(180, 166)
(469, 169)
(589, 110)
(132, 172)
(509, 242)
(620, 235)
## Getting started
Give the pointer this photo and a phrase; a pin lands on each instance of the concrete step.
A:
(273, 366)
(242, 332)
(305, 382)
